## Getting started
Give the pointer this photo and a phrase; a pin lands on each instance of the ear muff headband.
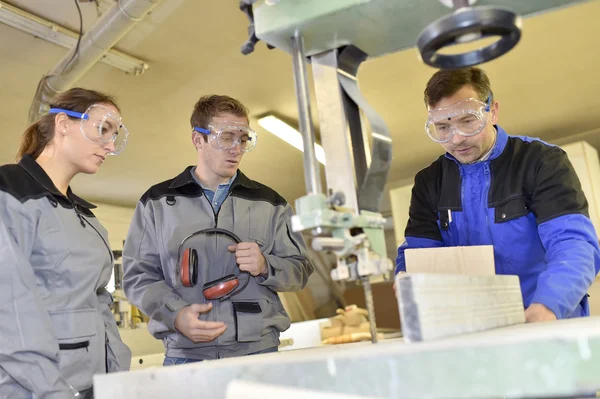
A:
(188, 260)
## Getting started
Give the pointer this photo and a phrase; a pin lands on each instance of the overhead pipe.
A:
(102, 36)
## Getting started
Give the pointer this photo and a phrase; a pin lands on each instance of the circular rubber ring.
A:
(486, 21)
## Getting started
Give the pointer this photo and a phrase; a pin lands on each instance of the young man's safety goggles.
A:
(467, 118)
(100, 125)
(226, 137)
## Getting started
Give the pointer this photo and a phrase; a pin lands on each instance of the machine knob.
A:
(464, 25)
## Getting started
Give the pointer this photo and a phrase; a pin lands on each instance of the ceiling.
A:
(547, 87)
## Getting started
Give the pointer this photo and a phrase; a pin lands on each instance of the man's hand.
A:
(187, 323)
(538, 312)
(249, 258)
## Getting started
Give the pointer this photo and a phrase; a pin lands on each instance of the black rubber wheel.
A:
(484, 21)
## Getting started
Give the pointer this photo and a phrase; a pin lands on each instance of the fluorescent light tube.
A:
(288, 134)
(56, 34)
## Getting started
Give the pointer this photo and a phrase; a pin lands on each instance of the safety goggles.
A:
(228, 136)
(100, 125)
(467, 118)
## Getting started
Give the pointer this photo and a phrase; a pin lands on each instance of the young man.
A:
(195, 324)
(517, 193)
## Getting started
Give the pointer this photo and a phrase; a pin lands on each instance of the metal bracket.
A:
(372, 173)
(246, 8)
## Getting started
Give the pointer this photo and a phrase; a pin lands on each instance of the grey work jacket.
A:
(56, 326)
(170, 211)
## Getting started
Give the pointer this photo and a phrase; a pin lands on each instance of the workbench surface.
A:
(530, 360)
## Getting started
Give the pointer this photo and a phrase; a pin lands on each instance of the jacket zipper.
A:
(216, 216)
(78, 213)
(465, 212)
(106, 351)
(75, 345)
(488, 181)
(83, 223)
(112, 260)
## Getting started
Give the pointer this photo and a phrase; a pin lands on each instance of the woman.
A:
(57, 329)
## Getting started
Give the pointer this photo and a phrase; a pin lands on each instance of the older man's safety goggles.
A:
(467, 118)
(100, 125)
(228, 136)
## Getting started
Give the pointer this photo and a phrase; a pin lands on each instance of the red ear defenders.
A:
(221, 288)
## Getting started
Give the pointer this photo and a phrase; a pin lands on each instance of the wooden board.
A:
(434, 306)
(474, 260)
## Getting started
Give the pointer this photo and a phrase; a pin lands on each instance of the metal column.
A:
(312, 178)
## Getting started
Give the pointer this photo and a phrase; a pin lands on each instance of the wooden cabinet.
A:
(586, 163)
(400, 202)
(585, 160)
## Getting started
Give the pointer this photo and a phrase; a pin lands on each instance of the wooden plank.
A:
(434, 306)
(474, 260)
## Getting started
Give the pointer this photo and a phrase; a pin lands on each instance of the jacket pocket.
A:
(247, 317)
(446, 226)
(259, 219)
(510, 209)
(74, 345)
(78, 344)
(47, 258)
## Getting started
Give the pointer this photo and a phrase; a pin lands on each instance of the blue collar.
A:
(501, 140)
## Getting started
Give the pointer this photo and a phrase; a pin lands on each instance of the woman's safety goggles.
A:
(228, 136)
(100, 125)
(467, 118)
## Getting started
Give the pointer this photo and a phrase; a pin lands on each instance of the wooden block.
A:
(435, 306)
(475, 260)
